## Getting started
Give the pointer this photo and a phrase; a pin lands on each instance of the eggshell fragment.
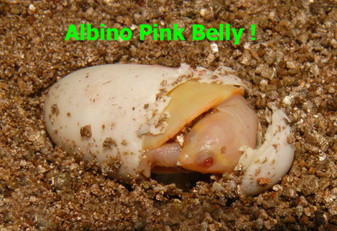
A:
(266, 165)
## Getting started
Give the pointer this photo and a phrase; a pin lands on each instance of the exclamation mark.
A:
(253, 32)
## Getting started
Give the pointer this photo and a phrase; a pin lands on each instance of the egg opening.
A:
(216, 122)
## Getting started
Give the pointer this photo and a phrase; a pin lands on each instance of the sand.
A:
(291, 62)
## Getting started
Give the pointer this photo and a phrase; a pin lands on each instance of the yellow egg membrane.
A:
(188, 101)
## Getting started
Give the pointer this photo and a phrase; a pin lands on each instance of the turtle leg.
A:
(164, 156)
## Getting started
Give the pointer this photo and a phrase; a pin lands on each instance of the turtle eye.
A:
(208, 162)
(206, 159)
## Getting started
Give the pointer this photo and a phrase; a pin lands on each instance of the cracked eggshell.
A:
(102, 111)
(266, 165)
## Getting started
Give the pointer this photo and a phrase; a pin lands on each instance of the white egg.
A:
(116, 113)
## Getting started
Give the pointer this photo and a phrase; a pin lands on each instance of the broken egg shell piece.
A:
(105, 111)
(266, 165)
